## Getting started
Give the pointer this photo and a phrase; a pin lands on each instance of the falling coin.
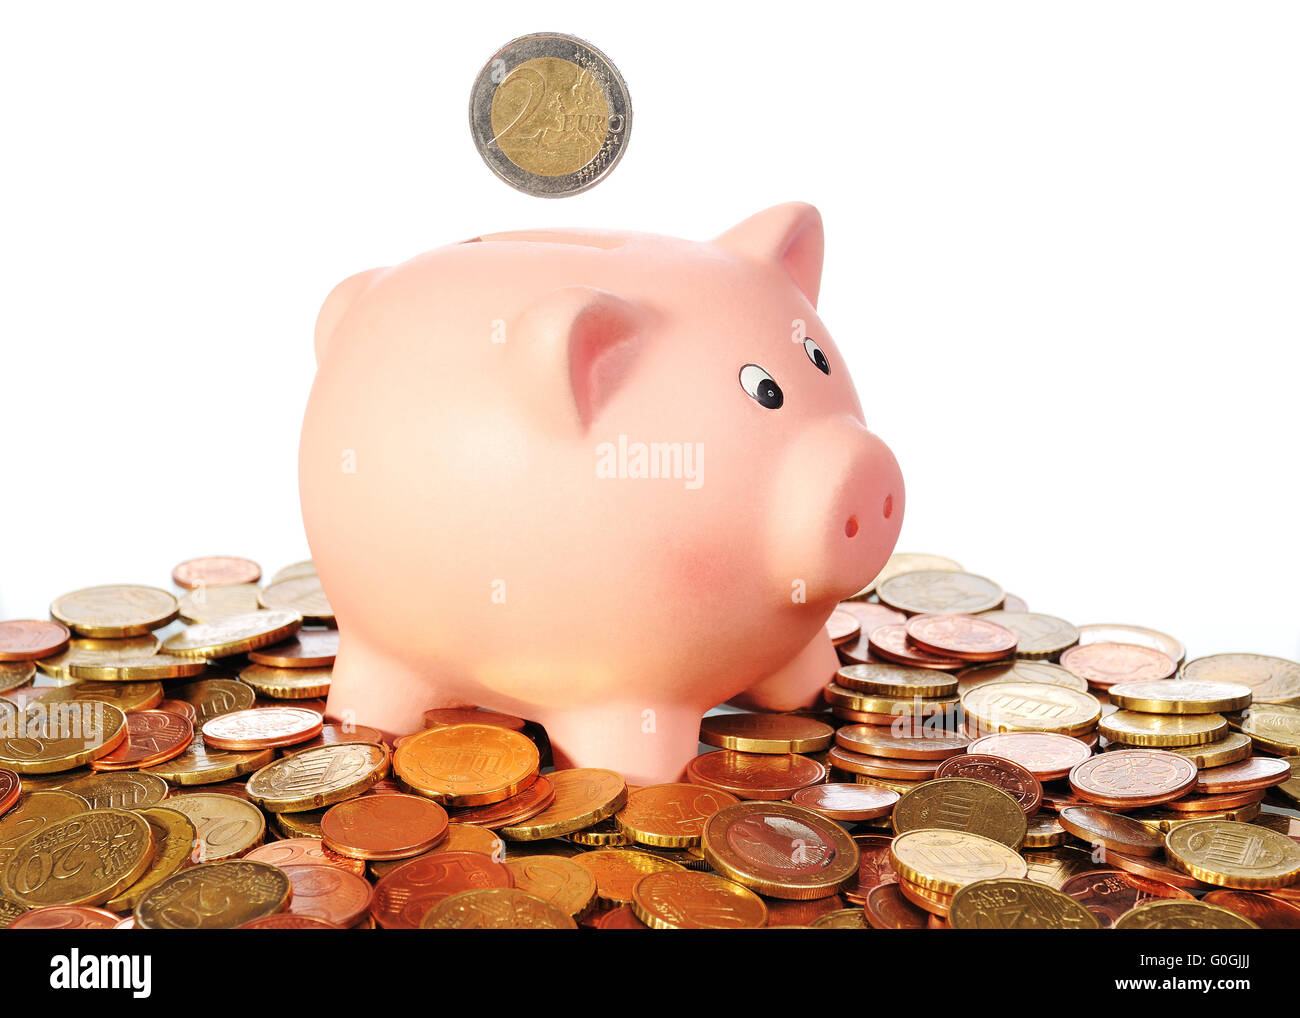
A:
(550, 115)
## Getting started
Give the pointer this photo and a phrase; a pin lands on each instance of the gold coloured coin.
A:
(131, 790)
(226, 826)
(211, 698)
(1176, 914)
(236, 634)
(909, 562)
(696, 901)
(1038, 636)
(287, 683)
(961, 804)
(840, 919)
(200, 764)
(173, 838)
(1129, 728)
(890, 707)
(1290, 789)
(302, 595)
(115, 611)
(214, 896)
(895, 680)
(1018, 671)
(16, 674)
(1017, 904)
(304, 568)
(497, 908)
(1271, 726)
(125, 696)
(34, 811)
(946, 860)
(208, 604)
(1031, 707)
(140, 669)
(1231, 748)
(556, 880)
(48, 738)
(766, 733)
(86, 651)
(1045, 831)
(84, 859)
(1054, 866)
(940, 592)
(1178, 696)
(617, 870)
(1244, 856)
(672, 815)
(320, 777)
(583, 796)
(1271, 679)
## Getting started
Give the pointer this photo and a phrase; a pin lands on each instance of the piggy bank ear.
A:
(787, 235)
(577, 346)
(336, 306)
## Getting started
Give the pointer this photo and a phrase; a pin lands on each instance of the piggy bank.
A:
(601, 480)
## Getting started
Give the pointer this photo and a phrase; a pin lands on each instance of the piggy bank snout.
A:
(839, 508)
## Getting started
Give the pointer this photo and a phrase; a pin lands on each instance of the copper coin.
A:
(1252, 773)
(888, 909)
(1108, 894)
(874, 867)
(1001, 773)
(881, 766)
(863, 717)
(383, 826)
(1105, 664)
(784, 913)
(441, 716)
(1056, 798)
(11, 787)
(1045, 755)
(152, 737)
(328, 893)
(66, 917)
(305, 852)
(847, 802)
(842, 627)
(1263, 910)
(1132, 778)
(899, 742)
(261, 728)
(287, 921)
(967, 637)
(515, 810)
(32, 639)
(1153, 869)
(621, 918)
(182, 707)
(1207, 803)
(670, 816)
(403, 896)
(890, 643)
(308, 648)
(215, 571)
(334, 733)
(755, 775)
(1111, 830)
(869, 616)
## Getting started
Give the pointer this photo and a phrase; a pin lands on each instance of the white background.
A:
(1062, 260)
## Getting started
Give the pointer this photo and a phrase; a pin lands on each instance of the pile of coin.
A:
(978, 766)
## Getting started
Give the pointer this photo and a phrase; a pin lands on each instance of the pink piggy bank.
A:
(601, 480)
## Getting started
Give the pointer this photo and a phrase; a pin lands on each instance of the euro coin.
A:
(84, 859)
(696, 901)
(467, 765)
(1016, 904)
(213, 896)
(1237, 855)
(502, 908)
(115, 611)
(320, 777)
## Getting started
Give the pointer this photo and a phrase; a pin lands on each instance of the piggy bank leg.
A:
(370, 688)
(799, 684)
(648, 745)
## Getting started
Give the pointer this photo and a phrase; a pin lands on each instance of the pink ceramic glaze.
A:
(478, 484)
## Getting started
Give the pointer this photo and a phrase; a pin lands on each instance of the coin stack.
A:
(961, 773)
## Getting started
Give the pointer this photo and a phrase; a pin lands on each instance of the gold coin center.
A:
(550, 116)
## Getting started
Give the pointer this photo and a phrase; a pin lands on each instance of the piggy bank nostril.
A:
(889, 506)
(851, 526)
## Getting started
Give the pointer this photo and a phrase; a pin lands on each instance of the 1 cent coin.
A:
(383, 826)
(261, 728)
(891, 644)
(30, 639)
(1132, 778)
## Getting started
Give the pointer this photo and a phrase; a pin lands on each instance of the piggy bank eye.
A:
(815, 355)
(759, 384)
